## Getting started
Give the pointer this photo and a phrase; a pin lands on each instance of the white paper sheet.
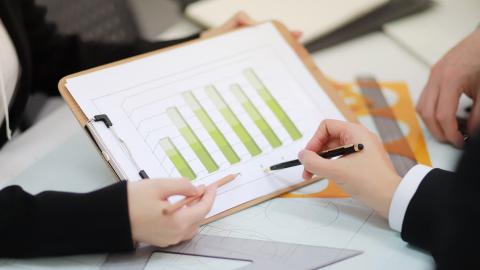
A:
(136, 96)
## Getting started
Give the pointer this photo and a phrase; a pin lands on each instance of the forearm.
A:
(428, 209)
(55, 55)
(442, 218)
(60, 223)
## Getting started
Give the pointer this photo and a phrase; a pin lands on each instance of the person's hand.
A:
(147, 199)
(240, 19)
(456, 73)
(367, 175)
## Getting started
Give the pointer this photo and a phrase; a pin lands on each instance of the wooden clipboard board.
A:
(297, 47)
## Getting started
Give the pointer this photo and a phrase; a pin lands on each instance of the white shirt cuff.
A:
(404, 193)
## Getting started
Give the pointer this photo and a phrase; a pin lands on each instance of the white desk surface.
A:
(430, 34)
(34, 161)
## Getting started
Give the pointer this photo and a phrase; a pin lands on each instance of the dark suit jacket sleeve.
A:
(443, 216)
(55, 56)
(61, 223)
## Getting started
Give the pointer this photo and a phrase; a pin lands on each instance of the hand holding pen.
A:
(368, 176)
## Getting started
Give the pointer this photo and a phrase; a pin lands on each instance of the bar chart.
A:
(272, 104)
(192, 140)
(202, 130)
(256, 116)
(177, 158)
(232, 120)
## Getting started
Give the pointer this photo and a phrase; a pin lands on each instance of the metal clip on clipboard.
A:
(104, 150)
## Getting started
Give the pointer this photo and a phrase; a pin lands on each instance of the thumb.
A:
(176, 186)
(315, 164)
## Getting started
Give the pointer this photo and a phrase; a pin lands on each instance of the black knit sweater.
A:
(58, 223)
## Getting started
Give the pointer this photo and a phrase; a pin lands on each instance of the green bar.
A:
(177, 159)
(256, 116)
(192, 139)
(211, 128)
(272, 103)
(233, 121)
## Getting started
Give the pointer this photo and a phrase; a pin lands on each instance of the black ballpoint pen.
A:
(336, 152)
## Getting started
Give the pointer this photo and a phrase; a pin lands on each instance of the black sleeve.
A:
(55, 56)
(61, 223)
(443, 216)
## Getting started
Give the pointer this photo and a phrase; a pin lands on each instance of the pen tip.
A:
(267, 170)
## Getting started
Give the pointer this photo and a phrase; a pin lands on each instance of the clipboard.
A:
(298, 49)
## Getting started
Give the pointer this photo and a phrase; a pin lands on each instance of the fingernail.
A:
(301, 155)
